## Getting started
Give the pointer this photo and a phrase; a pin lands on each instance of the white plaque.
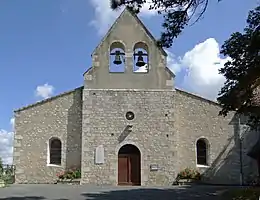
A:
(99, 155)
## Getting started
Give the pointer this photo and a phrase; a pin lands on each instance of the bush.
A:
(188, 173)
(7, 178)
(73, 173)
(6, 173)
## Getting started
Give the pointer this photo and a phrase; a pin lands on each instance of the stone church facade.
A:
(129, 126)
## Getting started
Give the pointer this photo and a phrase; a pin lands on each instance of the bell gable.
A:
(128, 58)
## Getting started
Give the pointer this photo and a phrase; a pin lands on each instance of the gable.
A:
(129, 36)
(128, 14)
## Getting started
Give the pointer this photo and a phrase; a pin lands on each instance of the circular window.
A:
(130, 115)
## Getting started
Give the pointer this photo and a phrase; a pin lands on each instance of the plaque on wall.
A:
(99, 155)
(154, 167)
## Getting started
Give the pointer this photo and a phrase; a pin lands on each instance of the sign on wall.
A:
(99, 155)
(154, 167)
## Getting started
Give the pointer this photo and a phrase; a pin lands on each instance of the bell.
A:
(117, 60)
(140, 61)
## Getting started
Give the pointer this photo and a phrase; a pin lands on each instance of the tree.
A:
(241, 91)
(176, 13)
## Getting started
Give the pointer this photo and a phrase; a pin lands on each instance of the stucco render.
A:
(165, 129)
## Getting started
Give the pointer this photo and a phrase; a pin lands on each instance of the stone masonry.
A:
(167, 123)
(152, 133)
(58, 116)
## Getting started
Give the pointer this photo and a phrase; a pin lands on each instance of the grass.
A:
(252, 193)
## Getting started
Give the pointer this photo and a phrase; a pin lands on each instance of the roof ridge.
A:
(46, 100)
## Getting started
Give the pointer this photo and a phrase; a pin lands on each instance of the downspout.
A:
(240, 153)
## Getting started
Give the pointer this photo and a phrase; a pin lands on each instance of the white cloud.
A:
(142, 69)
(105, 16)
(201, 65)
(6, 144)
(173, 63)
(12, 123)
(44, 91)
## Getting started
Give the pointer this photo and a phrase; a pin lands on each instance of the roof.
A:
(48, 99)
(198, 97)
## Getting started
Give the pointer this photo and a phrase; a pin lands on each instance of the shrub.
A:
(73, 173)
(7, 178)
(188, 173)
(6, 173)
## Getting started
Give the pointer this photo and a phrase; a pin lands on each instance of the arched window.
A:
(202, 151)
(55, 151)
(117, 57)
(140, 58)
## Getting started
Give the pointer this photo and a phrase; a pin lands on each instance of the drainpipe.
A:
(240, 153)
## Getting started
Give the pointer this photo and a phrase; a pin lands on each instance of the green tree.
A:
(241, 91)
(176, 13)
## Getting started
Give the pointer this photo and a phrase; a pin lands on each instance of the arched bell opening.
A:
(141, 58)
(117, 57)
(129, 165)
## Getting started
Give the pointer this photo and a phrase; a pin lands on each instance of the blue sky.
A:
(45, 48)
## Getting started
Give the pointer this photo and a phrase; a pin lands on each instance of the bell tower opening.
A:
(117, 58)
(140, 58)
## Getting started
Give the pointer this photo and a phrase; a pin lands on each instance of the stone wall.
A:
(249, 138)
(198, 118)
(152, 132)
(58, 116)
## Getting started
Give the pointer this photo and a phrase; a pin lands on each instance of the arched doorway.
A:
(129, 165)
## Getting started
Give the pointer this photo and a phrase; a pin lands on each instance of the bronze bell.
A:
(117, 60)
(140, 61)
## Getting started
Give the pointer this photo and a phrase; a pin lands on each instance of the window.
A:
(130, 115)
(54, 151)
(202, 152)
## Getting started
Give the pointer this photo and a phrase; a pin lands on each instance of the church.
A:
(129, 125)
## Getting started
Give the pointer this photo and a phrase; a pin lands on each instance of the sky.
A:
(45, 48)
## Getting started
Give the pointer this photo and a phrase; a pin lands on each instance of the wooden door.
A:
(123, 170)
(129, 170)
(135, 174)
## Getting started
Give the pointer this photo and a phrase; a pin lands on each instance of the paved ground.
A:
(74, 192)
